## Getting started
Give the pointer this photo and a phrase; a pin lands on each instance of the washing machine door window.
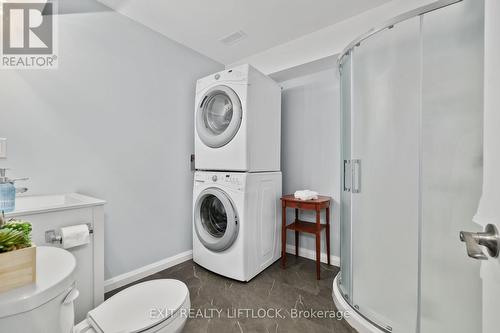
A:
(215, 220)
(218, 117)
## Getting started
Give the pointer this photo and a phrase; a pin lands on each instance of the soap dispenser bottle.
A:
(8, 192)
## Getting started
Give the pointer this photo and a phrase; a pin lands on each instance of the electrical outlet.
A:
(3, 148)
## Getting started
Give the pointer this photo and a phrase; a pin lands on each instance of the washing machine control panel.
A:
(220, 178)
(232, 179)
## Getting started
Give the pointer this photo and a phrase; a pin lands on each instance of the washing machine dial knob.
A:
(214, 178)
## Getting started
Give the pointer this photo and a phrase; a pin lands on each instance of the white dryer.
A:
(238, 121)
(236, 222)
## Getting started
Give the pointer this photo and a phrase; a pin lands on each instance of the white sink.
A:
(53, 202)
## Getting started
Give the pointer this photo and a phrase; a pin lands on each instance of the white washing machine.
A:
(238, 121)
(236, 222)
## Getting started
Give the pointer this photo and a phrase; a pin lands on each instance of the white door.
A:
(489, 207)
(218, 117)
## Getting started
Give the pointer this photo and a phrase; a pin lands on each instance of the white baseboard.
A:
(139, 273)
(311, 254)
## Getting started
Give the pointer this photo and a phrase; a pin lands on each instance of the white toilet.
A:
(159, 306)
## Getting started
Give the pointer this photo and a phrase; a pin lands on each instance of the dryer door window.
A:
(215, 220)
(218, 117)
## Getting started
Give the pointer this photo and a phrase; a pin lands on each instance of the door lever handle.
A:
(474, 240)
(472, 245)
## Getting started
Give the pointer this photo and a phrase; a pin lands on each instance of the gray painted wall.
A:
(115, 121)
(311, 145)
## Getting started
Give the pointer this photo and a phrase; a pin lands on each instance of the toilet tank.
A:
(51, 212)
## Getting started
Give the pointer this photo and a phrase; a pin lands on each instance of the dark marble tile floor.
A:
(280, 293)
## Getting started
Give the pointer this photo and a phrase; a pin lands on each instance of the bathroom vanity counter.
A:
(36, 204)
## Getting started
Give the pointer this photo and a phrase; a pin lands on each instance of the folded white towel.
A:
(305, 195)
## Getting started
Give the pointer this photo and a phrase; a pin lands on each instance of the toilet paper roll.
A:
(75, 235)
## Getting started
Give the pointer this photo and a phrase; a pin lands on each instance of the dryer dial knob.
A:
(214, 178)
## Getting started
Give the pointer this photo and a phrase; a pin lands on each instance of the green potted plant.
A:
(17, 255)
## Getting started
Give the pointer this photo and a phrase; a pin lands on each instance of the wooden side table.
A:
(323, 202)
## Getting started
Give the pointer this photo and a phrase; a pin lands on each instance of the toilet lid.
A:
(139, 307)
(55, 269)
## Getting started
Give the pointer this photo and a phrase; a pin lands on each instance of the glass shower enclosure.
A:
(411, 100)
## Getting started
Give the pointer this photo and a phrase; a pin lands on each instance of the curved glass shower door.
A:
(385, 173)
(452, 166)
(411, 99)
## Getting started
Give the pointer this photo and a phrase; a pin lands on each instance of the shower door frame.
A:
(400, 18)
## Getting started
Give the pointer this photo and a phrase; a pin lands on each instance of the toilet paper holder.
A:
(52, 237)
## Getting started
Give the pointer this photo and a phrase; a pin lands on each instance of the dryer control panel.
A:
(236, 75)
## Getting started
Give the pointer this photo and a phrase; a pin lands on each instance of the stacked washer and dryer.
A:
(237, 183)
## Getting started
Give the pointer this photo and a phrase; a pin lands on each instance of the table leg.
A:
(296, 234)
(318, 243)
(283, 236)
(328, 234)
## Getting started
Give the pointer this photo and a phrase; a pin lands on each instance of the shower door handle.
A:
(356, 176)
(347, 169)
